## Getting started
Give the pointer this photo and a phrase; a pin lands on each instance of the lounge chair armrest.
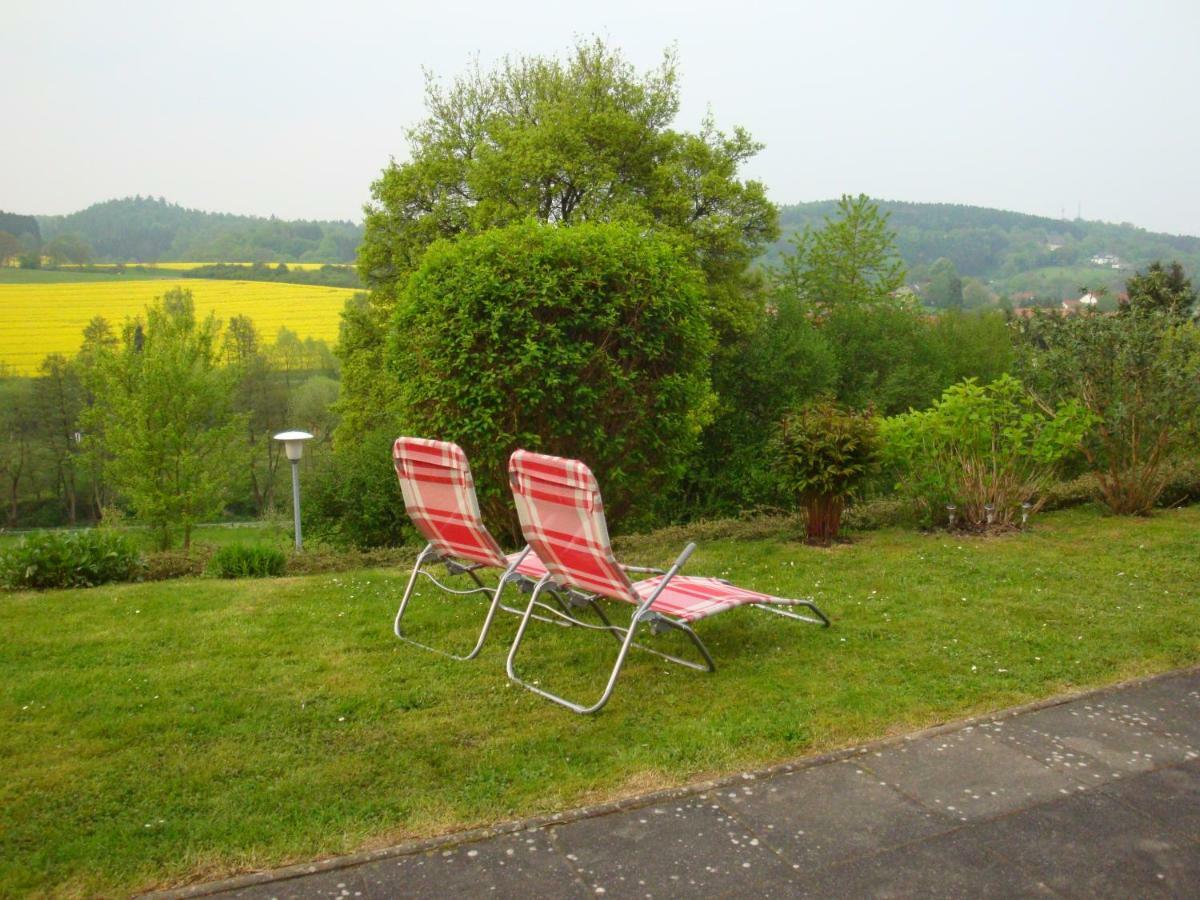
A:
(644, 570)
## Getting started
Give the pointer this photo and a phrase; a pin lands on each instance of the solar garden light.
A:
(951, 513)
(1026, 509)
(990, 511)
(293, 446)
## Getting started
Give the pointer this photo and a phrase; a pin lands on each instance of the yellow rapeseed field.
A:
(39, 319)
(188, 266)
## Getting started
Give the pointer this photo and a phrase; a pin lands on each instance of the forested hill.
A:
(1013, 251)
(146, 229)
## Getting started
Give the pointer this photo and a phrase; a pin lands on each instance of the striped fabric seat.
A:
(562, 516)
(439, 494)
(691, 598)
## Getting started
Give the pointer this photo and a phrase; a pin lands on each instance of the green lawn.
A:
(161, 733)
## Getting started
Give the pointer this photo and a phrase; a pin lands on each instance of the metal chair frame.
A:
(641, 615)
(429, 556)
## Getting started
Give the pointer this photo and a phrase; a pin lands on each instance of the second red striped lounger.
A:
(562, 518)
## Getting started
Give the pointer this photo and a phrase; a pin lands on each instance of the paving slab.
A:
(825, 814)
(1091, 742)
(689, 848)
(1093, 845)
(967, 774)
(952, 865)
(1169, 796)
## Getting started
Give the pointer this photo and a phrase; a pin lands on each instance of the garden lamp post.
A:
(293, 445)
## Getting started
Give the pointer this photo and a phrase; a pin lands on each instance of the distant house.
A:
(1087, 301)
(1106, 259)
(1024, 298)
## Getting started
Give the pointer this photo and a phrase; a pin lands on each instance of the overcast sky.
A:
(293, 108)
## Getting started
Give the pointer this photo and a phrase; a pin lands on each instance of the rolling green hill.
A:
(1012, 252)
(146, 229)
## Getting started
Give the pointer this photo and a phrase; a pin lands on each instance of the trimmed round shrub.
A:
(589, 341)
(69, 559)
(247, 561)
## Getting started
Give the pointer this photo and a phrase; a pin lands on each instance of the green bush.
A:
(1138, 374)
(69, 559)
(981, 445)
(247, 561)
(822, 453)
(589, 341)
(353, 500)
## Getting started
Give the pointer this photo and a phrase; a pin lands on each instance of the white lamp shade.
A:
(293, 443)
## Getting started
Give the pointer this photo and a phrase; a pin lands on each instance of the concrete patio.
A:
(1093, 796)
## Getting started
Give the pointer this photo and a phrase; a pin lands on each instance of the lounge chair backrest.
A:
(439, 494)
(562, 517)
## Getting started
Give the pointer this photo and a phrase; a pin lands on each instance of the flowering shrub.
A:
(980, 446)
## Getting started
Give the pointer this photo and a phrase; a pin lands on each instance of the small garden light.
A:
(293, 446)
(1026, 509)
(989, 510)
(951, 513)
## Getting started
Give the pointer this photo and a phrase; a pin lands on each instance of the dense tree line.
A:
(148, 229)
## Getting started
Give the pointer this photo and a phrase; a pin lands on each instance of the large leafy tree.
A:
(165, 406)
(584, 139)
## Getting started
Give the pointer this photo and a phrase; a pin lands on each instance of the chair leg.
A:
(510, 663)
(487, 621)
(820, 617)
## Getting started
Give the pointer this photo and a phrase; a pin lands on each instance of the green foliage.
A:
(148, 229)
(585, 139)
(784, 362)
(1138, 374)
(162, 416)
(1163, 289)
(589, 342)
(247, 561)
(354, 500)
(823, 452)
(327, 275)
(850, 261)
(68, 249)
(71, 559)
(945, 290)
(981, 445)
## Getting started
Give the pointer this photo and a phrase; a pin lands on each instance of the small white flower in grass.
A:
(341, 718)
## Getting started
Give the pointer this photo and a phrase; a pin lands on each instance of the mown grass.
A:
(163, 733)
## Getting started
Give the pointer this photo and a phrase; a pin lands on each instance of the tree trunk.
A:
(824, 518)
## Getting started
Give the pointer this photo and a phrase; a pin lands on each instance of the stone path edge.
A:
(638, 801)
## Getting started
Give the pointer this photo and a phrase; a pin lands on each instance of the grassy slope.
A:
(11, 275)
(154, 734)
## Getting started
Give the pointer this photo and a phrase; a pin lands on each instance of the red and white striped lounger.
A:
(562, 518)
(439, 495)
